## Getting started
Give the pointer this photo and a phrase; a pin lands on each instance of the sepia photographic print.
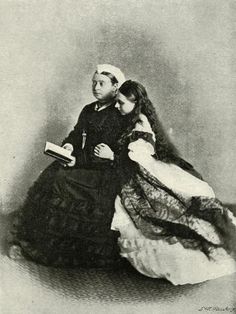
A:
(118, 165)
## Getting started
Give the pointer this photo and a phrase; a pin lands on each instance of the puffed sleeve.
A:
(142, 139)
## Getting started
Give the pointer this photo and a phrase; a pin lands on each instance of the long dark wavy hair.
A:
(136, 92)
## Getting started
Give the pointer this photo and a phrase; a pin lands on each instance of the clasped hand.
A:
(103, 151)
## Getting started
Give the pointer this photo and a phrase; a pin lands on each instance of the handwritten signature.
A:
(217, 309)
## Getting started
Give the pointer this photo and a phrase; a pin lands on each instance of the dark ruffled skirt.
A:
(66, 219)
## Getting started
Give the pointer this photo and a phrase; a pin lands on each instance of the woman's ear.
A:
(115, 87)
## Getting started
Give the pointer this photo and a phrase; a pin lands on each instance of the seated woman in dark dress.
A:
(171, 225)
(66, 217)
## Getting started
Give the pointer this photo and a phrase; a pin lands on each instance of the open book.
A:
(58, 152)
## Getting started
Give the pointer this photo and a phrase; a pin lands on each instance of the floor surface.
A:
(27, 288)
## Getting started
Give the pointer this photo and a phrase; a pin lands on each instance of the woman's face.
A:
(102, 87)
(124, 105)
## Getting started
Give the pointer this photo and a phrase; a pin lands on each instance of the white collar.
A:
(96, 108)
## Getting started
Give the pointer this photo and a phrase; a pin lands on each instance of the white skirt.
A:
(160, 259)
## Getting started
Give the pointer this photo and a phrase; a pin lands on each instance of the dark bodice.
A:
(104, 126)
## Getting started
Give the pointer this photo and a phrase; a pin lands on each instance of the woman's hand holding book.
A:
(70, 148)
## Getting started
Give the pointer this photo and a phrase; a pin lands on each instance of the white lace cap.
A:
(116, 72)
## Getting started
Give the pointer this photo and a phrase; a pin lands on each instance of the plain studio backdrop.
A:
(181, 51)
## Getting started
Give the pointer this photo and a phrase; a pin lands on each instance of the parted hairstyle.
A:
(135, 92)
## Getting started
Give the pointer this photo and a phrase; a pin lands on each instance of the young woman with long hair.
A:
(171, 225)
